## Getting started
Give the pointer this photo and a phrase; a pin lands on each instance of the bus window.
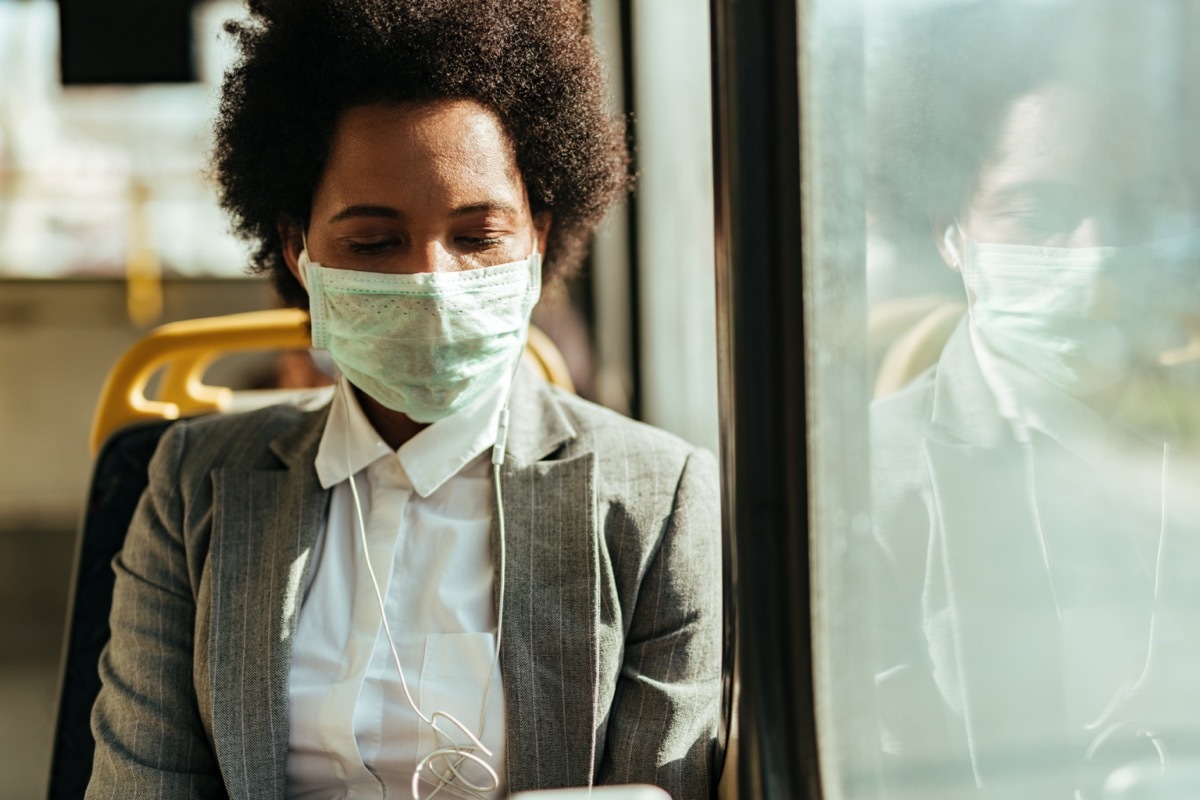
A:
(985, 441)
(105, 112)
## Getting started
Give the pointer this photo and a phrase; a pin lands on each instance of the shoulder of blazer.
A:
(263, 439)
(549, 424)
(599, 428)
(639, 466)
(644, 475)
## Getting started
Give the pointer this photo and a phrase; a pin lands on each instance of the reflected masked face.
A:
(1079, 246)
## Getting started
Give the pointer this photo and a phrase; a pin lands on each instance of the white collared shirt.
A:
(427, 509)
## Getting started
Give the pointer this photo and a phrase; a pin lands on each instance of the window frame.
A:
(757, 142)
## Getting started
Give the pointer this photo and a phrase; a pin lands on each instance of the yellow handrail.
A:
(184, 350)
(187, 348)
(542, 354)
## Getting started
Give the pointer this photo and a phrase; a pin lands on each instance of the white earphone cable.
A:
(452, 753)
(1129, 687)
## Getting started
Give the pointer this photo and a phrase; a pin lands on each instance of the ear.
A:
(541, 223)
(948, 238)
(290, 236)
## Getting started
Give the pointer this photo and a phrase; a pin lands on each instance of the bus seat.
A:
(888, 320)
(125, 433)
(118, 478)
(919, 337)
(183, 351)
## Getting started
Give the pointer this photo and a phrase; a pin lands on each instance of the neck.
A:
(395, 428)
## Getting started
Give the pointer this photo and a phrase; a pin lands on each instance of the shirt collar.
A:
(1031, 403)
(350, 443)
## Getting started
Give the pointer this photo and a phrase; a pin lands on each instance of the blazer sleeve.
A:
(150, 741)
(663, 720)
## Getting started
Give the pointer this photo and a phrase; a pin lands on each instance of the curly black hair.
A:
(938, 91)
(304, 62)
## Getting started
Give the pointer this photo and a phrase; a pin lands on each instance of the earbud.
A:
(951, 247)
(302, 261)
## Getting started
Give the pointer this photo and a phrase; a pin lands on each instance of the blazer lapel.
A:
(265, 524)
(549, 652)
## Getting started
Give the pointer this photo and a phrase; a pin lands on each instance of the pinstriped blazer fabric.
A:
(611, 651)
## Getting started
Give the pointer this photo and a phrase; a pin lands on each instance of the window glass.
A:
(1006, 592)
(672, 123)
(108, 180)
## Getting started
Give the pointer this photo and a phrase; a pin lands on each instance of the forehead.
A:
(1033, 139)
(415, 155)
(1059, 134)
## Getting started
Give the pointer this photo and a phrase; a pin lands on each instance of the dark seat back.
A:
(118, 480)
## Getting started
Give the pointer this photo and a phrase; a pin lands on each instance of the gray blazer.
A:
(610, 657)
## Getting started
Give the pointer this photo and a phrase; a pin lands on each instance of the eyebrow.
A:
(487, 206)
(353, 212)
(387, 212)
(1053, 189)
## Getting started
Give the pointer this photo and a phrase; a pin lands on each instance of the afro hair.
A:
(304, 62)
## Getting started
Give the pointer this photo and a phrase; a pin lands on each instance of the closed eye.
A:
(481, 241)
(370, 247)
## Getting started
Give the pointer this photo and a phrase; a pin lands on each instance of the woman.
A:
(454, 578)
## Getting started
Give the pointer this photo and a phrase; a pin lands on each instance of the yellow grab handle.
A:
(544, 356)
(187, 348)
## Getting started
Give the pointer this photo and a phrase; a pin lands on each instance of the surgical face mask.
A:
(428, 344)
(1082, 318)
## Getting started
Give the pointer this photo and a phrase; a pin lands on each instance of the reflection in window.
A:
(108, 179)
(1033, 261)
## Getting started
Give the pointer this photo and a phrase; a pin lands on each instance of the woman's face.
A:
(419, 187)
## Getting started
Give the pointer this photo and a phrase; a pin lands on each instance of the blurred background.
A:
(109, 227)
